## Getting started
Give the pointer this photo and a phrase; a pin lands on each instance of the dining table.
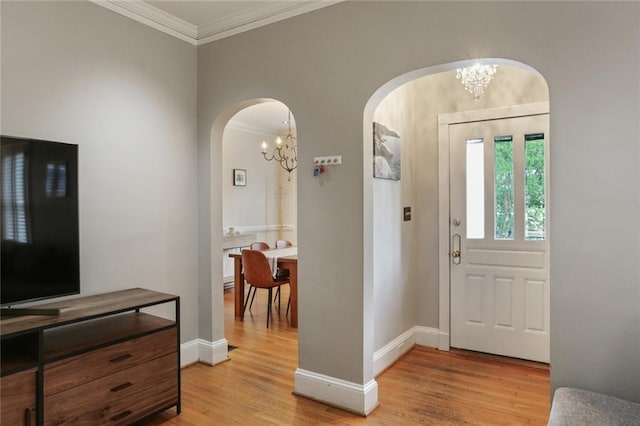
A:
(287, 261)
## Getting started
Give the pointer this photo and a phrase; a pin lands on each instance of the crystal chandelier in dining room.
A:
(285, 151)
(476, 78)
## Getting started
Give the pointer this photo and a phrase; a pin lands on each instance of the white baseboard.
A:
(359, 399)
(199, 350)
(189, 353)
(443, 341)
(384, 357)
(427, 336)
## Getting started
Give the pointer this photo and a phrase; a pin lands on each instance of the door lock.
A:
(456, 221)
(456, 253)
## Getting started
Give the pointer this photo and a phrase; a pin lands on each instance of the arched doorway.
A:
(258, 199)
(416, 287)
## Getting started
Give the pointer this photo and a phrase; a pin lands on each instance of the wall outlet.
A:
(331, 160)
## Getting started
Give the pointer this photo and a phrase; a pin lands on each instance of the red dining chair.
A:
(257, 273)
(261, 246)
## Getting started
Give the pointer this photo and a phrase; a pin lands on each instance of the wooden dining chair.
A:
(261, 246)
(257, 273)
(283, 244)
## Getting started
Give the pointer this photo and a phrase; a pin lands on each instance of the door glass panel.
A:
(534, 195)
(475, 188)
(504, 202)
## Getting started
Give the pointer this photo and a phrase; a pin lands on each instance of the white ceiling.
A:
(203, 21)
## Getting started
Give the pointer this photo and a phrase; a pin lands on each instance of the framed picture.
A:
(239, 177)
(387, 153)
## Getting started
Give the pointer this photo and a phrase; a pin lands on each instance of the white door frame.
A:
(444, 121)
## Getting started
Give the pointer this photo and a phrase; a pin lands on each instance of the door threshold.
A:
(483, 356)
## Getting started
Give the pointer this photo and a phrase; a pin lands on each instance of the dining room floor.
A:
(426, 386)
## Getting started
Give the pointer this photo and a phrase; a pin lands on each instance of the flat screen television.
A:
(39, 213)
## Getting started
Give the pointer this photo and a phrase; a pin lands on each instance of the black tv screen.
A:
(40, 238)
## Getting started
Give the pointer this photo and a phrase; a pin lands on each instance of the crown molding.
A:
(152, 16)
(259, 16)
(256, 17)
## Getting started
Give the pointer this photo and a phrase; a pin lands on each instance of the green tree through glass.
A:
(504, 202)
(535, 213)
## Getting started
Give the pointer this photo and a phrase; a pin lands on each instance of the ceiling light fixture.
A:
(285, 151)
(476, 78)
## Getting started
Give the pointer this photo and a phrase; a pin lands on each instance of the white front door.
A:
(499, 234)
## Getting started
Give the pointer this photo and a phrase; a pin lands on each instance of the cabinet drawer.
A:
(18, 402)
(71, 372)
(120, 398)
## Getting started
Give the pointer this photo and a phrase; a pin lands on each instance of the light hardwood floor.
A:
(426, 386)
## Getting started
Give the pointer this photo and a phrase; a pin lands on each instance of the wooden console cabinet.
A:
(101, 361)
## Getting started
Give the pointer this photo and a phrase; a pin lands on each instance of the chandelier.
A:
(476, 78)
(285, 151)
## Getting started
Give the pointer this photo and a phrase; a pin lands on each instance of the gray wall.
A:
(394, 241)
(327, 64)
(126, 94)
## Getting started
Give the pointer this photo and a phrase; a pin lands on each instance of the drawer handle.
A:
(120, 416)
(120, 387)
(121, 358)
